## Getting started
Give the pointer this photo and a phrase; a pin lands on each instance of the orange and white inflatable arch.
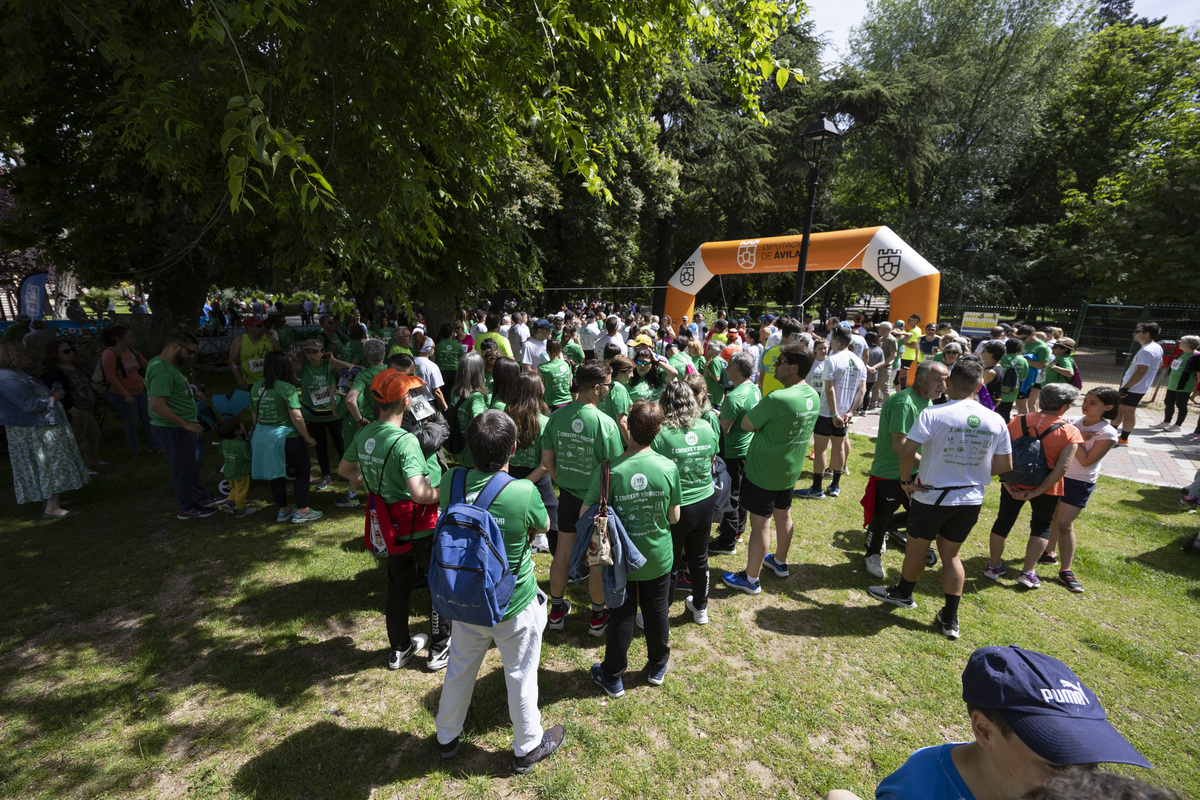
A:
(912, 282)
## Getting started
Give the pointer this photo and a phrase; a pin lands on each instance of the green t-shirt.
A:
(237, 458)
(531, 456)
(351, 352)
(1178, 368)
(1016, 361)
(15, 332)
(582, 438)
(692, 450)
(785, 419)
(471, 408)
(556, 378)
(518, 509)
(617, 402)
(387, 456)
(1040, 352)
(271, 406)
(496, 404)
(641, 489)
(318, 392)
(366, 403)
(333, 341)
(285, 335)
(1050, 375)
(712, 380)
(644, 391)
(396, 348)
(738, 401)
(573, 353)
(714, 421)
(898, 415)
(447, 353)
(163, 379)
(681, 362)
(501, 342)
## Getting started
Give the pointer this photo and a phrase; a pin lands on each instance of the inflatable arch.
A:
(912, 282)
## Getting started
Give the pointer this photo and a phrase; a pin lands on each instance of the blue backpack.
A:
(469, 576)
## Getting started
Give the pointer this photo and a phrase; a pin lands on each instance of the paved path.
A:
(1153, 457)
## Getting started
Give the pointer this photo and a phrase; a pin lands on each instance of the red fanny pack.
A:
(389, 527)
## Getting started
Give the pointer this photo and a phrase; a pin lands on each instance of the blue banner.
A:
(31, 299)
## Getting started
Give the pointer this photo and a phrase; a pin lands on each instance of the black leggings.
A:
(297, 458)
(1004, 409)
(654, 598)
(689, 536)
(889, 496)
(1041, 514)
(317, 430)
(1177, 402)
(402, 574)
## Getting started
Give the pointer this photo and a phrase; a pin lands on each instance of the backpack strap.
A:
(495, 485)
(458, 489)
(1051, 430)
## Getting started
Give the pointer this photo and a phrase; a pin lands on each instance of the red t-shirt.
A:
(1052, 445)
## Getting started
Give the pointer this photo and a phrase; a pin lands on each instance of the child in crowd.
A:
(236, 451)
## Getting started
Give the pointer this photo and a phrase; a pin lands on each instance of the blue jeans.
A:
(183, 449)
(130, 414)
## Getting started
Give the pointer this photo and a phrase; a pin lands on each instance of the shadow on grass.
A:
(1172, 557)
(1153, 499)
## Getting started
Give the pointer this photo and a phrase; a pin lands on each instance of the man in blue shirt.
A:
(1030, 715)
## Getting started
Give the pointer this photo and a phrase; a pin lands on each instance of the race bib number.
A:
(322, 397)
(256, 365)
(1177, 363)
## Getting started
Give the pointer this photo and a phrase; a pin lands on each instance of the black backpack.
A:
(457, 440)
(1028, 457)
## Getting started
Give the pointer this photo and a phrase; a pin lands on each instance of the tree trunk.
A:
(176, 297)
(664, 261)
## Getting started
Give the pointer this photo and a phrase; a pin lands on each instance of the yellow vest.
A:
(251, 357)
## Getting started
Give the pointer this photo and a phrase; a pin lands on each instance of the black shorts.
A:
(757, 500)
(569, 509)
(1024, 395)
(952, 523)
(1076, 493)
(825, 427)
(1132, 398)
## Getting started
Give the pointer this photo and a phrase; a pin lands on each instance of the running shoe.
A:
(613, 687)
(833, 491)
(741, 582)
(995, 573)
(199, 513)
(312, 515)
(890, 595)
(399, 658)
(875, 565)
(682, 583)
(1048, 558)
(1067, 578)
(1171, 429)
(552, 739)
(284, 516)
(809, 494)
(717, 547)
(438, 659)
(1029, 580)
(541, 544)
(778, 568)
(655, 675)
(346, 502)
(700, 615)
(324, 485)
(949, 629)
(242, 513)
(556, 619)
(598, 623)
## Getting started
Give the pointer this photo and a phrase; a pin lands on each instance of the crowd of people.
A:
(581, 407)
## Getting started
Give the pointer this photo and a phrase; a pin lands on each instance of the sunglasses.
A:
(643, 363)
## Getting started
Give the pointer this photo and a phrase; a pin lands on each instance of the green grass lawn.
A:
(141, 656)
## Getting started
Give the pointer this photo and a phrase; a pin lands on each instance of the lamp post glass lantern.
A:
(813, 142)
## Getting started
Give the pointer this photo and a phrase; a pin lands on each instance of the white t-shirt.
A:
(859, 345)
(534, 352)
(846, 372)
(774, 339)
(517, 334)
(816, 379)
(958, 440)
(603, 339)
(588, 335)
(431, 374)
(1151, 355)
(1093, 435)
(478, 329)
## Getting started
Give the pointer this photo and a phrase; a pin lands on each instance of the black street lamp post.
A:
(813, 143)
(970, 250)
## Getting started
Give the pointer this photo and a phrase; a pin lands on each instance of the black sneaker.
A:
(199, 513)
(1068, 579)
(949, 629)
(552, 739)
(889, 594)
(451, 749)
(1048, 558)
(682, 583)
(718, 547)
(399, 658)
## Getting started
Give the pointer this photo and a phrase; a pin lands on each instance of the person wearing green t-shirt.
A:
(280, 436)
(238, 458)
(389, 463)
(330, 336)
(529, 411)
(911, 350)
(645, 492)
(741, 398)
(577, 440)
(172, 406)
(789, 330)
(1040, 352)
(1014, 369)
(691, 443)
(617, 401)
(519, 513)
(319, 403)
(556, 376)
(651, 372)
(1061, 368)
(572, 350)
(1181, 382)
(351, 350)
(712, 370)
(895, 420)
(359, 407)
(782, 423)
(447, 353)
(676, 357)
(468, 398)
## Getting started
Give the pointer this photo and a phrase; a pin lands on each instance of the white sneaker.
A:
(399, 658)
(1159, 426)
(700, 615)
(541, 544)
(1171, 429)
(875, 565)
(438, 659)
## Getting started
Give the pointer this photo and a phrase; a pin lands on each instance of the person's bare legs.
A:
(1033, 551)
(996, 549)
(758, 540)
(53, 506)
(820, 444)
(783, 533)
(1126, 420)
(953, 574)
(1064, 528)
(914, 558)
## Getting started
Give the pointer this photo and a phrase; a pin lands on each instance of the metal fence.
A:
(1103, 333)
